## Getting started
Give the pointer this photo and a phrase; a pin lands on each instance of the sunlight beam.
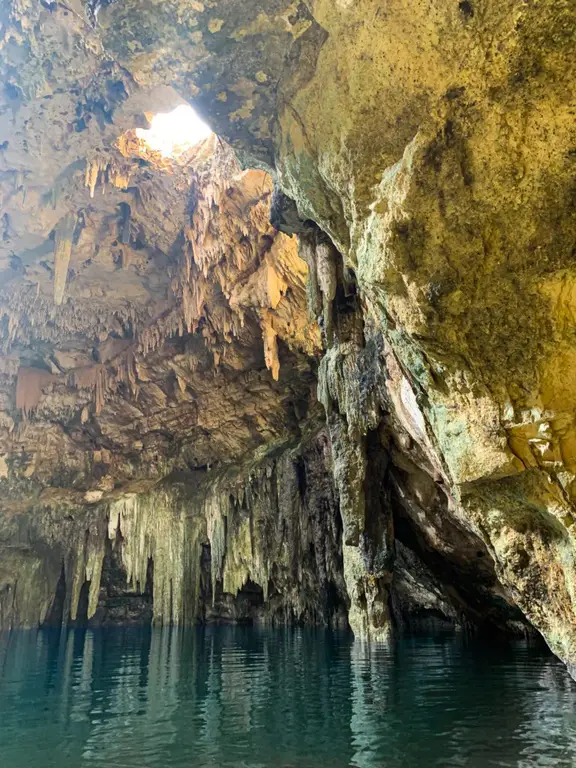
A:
(173, 133)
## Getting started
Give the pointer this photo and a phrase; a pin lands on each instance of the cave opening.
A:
(174, 133)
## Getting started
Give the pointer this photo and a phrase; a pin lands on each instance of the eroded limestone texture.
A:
(261, 542)
(272, 526)
(159, 337)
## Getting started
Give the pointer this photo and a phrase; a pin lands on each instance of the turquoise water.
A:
(249, 698)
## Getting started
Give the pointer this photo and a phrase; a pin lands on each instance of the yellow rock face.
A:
(437, 143)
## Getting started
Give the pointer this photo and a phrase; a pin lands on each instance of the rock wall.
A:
(262, 543)
(438, 148)
(196, 550)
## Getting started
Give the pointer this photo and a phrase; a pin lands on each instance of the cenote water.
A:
(252, 698)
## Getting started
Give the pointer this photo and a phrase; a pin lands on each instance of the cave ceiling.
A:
(147, 304)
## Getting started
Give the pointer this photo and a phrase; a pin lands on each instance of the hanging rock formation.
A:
(411, 324)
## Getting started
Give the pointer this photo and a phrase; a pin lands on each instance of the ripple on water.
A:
(251, 698)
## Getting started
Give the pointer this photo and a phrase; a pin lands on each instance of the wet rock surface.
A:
(405, 339)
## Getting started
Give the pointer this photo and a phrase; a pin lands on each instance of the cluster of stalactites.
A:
(239, 520)
(322, 259)
(258, 527)
(158, 527)
(148, 534)
(29, 385)
(237, 555)
(63, 236)
(98, 169)
(28, 317)
(226, 248)
(247, 553)
(93, 378)
(228, 269)
(155, 528)
(353, 401)
(260, 530)
(216, 509)
(84, 564)
(98, 378)
(103, 170)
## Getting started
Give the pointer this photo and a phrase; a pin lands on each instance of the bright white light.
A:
(174, 132)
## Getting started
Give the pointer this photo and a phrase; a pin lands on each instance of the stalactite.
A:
(125, 218)
(100, 389)
(307, 242)
(85, 559)
(193, 298)
(29, 385)
(216, 510)
(327, 279)
(270, 339)
(92, 377)
(154, 526)
(326, 260)
(119, 175)
(126, 371)
(91, 178)
(93, 169)
(275, 286)
(63, 235)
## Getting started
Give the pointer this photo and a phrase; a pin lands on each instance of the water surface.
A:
(251, 698)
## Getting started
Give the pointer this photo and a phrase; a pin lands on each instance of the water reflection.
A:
(249, 698)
